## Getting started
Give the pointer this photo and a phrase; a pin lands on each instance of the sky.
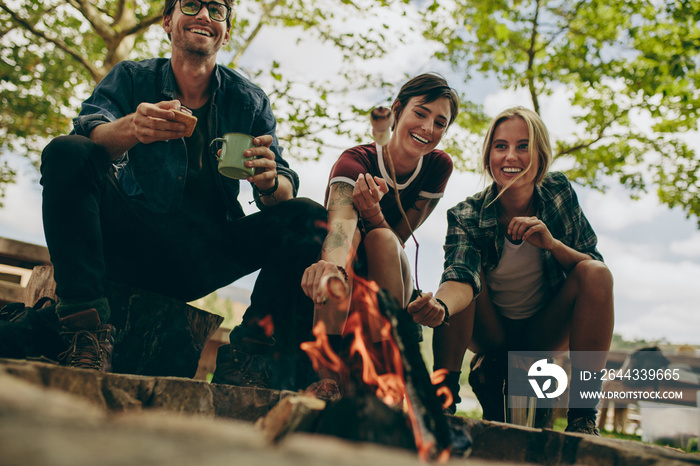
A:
(652, 251)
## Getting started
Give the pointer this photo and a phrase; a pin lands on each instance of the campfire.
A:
(387, 395)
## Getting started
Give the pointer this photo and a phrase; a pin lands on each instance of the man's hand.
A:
(156, 122)
(425, 310)
(262, 159)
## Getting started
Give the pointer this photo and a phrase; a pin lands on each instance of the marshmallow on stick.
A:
(335, 286)
(382, 120)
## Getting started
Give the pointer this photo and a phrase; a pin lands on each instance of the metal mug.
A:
(232, 160)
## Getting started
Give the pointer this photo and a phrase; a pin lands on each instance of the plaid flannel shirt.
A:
(475, 240)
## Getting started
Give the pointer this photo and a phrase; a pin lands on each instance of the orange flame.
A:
(381, 368)
(438, 377)
(320, 351)
(267, 325)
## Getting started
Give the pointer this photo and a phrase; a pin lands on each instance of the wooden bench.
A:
(17, 261)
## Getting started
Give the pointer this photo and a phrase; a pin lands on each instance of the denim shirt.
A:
(475, 240)
(154, 174)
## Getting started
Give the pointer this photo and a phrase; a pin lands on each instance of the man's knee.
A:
(66, 153)
(299, 222)
(308, 208)
(64, 146)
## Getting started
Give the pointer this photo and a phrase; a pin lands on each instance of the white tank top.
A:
(516, 285)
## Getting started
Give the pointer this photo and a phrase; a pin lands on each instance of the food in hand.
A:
(184, 115)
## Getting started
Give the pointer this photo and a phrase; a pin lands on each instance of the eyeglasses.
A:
(217, 11)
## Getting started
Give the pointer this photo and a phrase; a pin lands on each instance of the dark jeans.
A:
(94, 232)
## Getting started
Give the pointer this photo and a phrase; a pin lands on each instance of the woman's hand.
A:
(315, 279)
(533, 230)
(426, 310)
(367, 193)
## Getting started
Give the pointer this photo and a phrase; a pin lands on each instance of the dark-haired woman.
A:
(366, 228)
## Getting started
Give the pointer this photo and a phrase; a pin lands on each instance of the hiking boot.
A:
(236, 367)
(583, 425)
(487, 376)
(451, 382)
(90, 342)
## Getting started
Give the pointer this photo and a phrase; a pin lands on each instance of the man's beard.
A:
(193, 49)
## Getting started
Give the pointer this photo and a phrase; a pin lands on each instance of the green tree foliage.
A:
(53, 52)
(629, 68)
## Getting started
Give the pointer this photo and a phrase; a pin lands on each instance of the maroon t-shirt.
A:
(428, 179)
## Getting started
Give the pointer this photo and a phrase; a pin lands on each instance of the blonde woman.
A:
(522, 271)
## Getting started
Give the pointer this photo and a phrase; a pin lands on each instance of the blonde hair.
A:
(538, 145)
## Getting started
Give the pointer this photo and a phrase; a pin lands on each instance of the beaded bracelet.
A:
(272, 190)
(446, 319)
(341, 269)
(260, 193)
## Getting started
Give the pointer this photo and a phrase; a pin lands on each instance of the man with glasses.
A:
(130, 197)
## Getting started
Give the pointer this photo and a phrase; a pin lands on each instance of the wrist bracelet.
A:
(272, 190)
(342, 271)
(379, 211)
(446, 319)
(373, 223)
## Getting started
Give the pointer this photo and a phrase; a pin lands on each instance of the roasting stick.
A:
(382, 120)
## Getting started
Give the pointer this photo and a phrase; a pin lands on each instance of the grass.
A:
(692, 447)
(560, 426)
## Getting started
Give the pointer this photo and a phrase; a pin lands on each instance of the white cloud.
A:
(670, 322)
(645, 280)
(21, 217)
(614, 210)
(655, 298)
(689, 247)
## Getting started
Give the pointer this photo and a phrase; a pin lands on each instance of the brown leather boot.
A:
(90, 342)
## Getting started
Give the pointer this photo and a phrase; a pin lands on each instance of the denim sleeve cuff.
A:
(292, 176)
(84, 124)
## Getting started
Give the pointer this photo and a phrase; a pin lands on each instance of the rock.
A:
(56, 416)
(46, 427)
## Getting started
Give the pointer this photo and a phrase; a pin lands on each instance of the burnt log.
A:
(376, 381)
(40, 284)
(366, 419)
(438, 435)
(292, 414)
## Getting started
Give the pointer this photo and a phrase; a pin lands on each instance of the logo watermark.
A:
(585, 378)
(542, 368)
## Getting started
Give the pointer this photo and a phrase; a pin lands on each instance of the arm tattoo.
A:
(336, 238)
(344, 195)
